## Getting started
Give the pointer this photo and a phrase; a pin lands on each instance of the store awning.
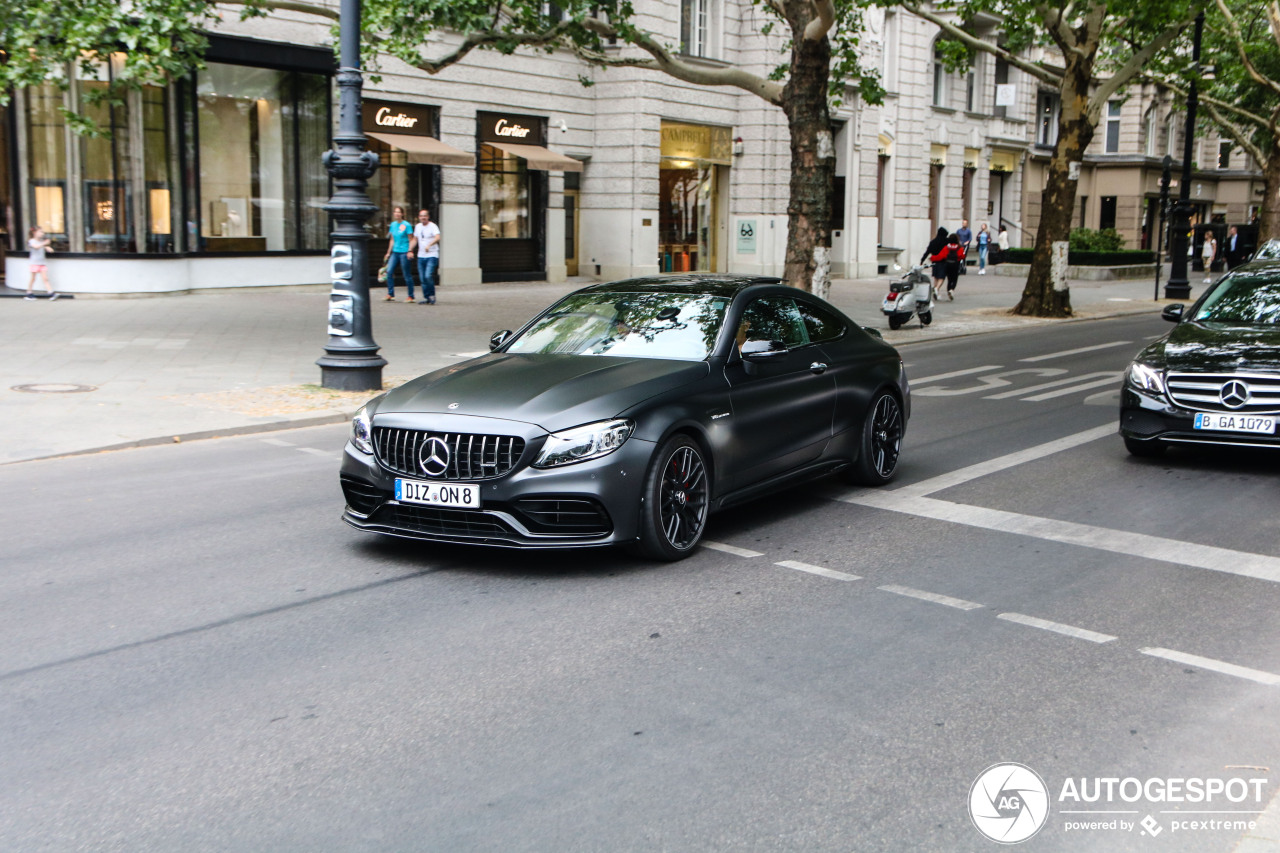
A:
(539, 158)
(425, 150)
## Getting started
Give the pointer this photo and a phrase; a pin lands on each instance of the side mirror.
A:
(1173, 313)
(763, 350)
(498, 339)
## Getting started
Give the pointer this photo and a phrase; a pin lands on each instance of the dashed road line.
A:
(818, 570)
(277, 442)
(1223, 667)
(1076, 351)
(946, 600)
(730, 549)
(327, 454)
(1056, 627)
(953, 374)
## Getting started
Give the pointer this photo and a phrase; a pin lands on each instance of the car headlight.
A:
(362, 431)
(590, 441)
(1144, 377)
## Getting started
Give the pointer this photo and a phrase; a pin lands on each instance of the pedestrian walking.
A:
(1208, 252)
(939, 271)
(984, 247)
(426, 235)
(1002, 244)
(397, 257)
(1231, 252)
(965, 235)
(37, 245)
(952, 259)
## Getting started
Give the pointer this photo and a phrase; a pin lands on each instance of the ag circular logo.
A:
(1009, 803)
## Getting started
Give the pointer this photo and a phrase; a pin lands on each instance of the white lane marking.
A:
(1215, 665)
(1057, 383)
(1074, 389)
(278, 442)
(314, 452)
(1000, 463)
(818, 570)
(958, 603)
(989, 382)
(1076, 351)
(730, 549)
(1056, 627)
(1141, 545)
(953, 374)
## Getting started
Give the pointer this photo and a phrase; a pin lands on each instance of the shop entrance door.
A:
(688, 219)
(571, 231)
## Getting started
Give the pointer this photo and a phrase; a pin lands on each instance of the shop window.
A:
(8, 230)
(504, 196)
(47, 163)
(260, 135)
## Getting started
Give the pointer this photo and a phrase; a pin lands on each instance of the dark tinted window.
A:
(820, 323)
(773, 319)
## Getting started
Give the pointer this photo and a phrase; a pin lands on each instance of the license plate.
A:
(438, 494)
(1235, 423)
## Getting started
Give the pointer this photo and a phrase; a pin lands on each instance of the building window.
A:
(260, 133)
(1224, 155)
(698, 28)
(889, 53)
(1002, 78)
(1171, 135)
(1113, 127)
(971, 90)
(941, 80)
(1150, 132)
(1047, 119)
(504, 196)
(1106, 212)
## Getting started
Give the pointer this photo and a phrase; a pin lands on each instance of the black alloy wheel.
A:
(676, 493)
(881, 442)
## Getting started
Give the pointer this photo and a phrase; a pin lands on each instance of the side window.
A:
(773, 319)
(820, 323)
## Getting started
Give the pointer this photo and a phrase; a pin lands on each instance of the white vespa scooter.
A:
(913, 294)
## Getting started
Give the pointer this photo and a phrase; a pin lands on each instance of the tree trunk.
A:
(813, 159)
(1269, 222)
(1057, 203)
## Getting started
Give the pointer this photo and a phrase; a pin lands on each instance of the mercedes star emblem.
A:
(1234, 394)
(433, 457)
(453, 405)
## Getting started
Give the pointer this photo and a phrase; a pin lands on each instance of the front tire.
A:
(677, 492)
(895, 322)
(880, 443)
(926, 318)
(1149, 449)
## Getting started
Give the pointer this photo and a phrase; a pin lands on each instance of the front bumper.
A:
(587, 504)
(1144, 417)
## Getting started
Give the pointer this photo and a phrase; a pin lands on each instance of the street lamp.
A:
(1165, 175)
(351, 361)
(1178, 286)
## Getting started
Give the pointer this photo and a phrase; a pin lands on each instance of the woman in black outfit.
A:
(951, 259)
(936, 245)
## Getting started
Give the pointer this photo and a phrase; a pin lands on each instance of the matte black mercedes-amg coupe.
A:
(625, 413)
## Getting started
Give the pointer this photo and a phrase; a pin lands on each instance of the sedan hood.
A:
(1218, 347)
(554, 392)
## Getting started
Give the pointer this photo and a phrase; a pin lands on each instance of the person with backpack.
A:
(950, 257)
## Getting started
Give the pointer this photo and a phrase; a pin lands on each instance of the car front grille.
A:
(462, 523)
(579, 516)
(471, 457)
(1202, 392)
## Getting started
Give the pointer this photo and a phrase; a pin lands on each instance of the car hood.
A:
(1218, 347)
(554, 392)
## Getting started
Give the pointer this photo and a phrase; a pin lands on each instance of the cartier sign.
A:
(393, 117)
(498, 127)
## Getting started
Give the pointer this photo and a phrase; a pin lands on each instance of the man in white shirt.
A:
(426, 235)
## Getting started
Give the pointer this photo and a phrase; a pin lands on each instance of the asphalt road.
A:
(198, 655)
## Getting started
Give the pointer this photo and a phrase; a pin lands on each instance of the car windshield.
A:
(1250, 299)
(680, 326)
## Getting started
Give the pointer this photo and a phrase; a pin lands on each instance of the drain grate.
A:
(54, 388)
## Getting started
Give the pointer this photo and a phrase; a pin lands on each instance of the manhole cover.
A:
(55, 388)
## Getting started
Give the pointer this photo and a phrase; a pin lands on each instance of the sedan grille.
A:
(466, 456)
(460, 523)
(1204, 392)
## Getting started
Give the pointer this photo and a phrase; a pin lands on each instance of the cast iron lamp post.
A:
(1178, 286)
(351, 361)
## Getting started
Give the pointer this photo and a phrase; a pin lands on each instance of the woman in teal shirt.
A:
(397, 256)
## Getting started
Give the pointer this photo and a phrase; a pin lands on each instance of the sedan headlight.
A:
(362, 431)
(579, 444)
(1144, 377)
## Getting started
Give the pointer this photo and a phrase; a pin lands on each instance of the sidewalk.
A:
(220, 362)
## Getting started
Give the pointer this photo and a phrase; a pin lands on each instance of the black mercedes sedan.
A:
(1214, 379)
(624, 414)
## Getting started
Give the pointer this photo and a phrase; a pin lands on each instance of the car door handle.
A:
(818, 367)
